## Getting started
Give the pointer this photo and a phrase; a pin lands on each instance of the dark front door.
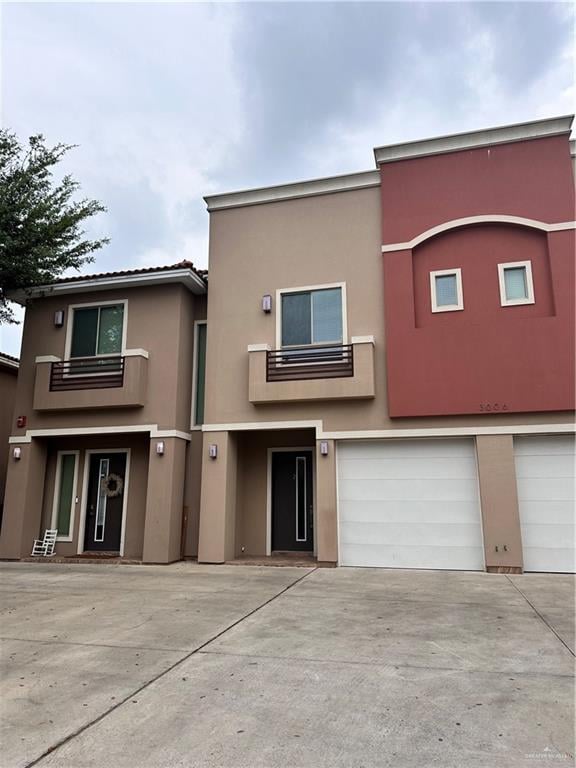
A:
(292, 507)
(106, 489)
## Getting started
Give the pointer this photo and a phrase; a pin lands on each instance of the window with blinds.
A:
(312, 317)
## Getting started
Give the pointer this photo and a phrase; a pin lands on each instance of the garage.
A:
(545, 481)
(409, 504)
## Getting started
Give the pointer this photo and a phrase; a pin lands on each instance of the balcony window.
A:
(311, 318)
(96, 339)
(97, 331)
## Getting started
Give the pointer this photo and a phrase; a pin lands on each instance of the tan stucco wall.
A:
(499, 502)
(23, 500)
(251, 510)
(8, 378)
(258, 249)
(160, 320)
(218, 498)
(164, 502)
(137, 481)
(192, 493)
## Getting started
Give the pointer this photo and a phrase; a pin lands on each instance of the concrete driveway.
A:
(255, 667)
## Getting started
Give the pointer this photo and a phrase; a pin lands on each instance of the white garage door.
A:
(409, 504)
(545, 479)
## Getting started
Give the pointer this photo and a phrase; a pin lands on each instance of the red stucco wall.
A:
(486, 357)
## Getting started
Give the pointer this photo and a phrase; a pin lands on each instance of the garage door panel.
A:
(555, 465)
(377, 556)
(408, 449)
(540, 558)
(545, 489)
(409, 504)
(554, 513)
(400, 511)
(546, 500)
(551, 445)
(398, 468)
(547, 536)
(399, 534)
(416, 489)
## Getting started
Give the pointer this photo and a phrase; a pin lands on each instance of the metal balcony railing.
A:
(329, 361)
(87, 373)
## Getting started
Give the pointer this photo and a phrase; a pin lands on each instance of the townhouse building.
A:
(380, 373)
(8, 376)
(390, 360)
(101, 446)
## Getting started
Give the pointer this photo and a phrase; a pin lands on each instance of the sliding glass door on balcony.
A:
(96, 342)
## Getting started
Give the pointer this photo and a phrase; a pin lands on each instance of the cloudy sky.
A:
(172, 101)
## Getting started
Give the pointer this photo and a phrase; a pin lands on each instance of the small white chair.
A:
(45, 547)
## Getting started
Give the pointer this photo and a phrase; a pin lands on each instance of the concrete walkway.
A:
(256, 667)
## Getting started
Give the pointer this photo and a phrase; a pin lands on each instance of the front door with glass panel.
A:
(292, 501)
(105, 501)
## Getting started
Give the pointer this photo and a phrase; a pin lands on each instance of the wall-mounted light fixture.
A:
(21, 422)
(160, 447)
(267, 303)
(324, 447)
(17, 453)
(59, 318)
(213, 451)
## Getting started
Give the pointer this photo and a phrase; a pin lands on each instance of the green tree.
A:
(41, 220)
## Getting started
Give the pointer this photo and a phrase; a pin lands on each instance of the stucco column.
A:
(218, 499)
(164, 501)
(326, 515)
(499, 500)
(23, 500)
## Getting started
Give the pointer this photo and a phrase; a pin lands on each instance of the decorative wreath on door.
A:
(112, 485)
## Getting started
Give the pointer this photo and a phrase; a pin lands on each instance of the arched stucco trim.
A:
(471, 220)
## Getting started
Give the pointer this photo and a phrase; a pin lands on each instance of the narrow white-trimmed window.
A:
(516, 285)
(199, 386)
(65, 494)
(446, 290)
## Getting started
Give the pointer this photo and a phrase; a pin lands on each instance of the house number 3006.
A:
(493, 407)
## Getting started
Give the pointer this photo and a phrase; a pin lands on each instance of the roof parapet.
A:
(457, 142)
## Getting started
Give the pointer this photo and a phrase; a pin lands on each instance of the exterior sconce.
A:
(160, 448)
(213, 451)
(267, 303)
(324, 447)
(17, 453)
(21, 422)
(59, 318)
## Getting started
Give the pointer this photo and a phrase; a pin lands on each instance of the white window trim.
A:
(193, 424)
(55, 499)
(504, 300)
(459, 293)
(281, 291)
(88, 305)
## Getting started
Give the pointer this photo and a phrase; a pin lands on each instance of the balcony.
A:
(299, 363)
(329, 372)
(95, 382)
